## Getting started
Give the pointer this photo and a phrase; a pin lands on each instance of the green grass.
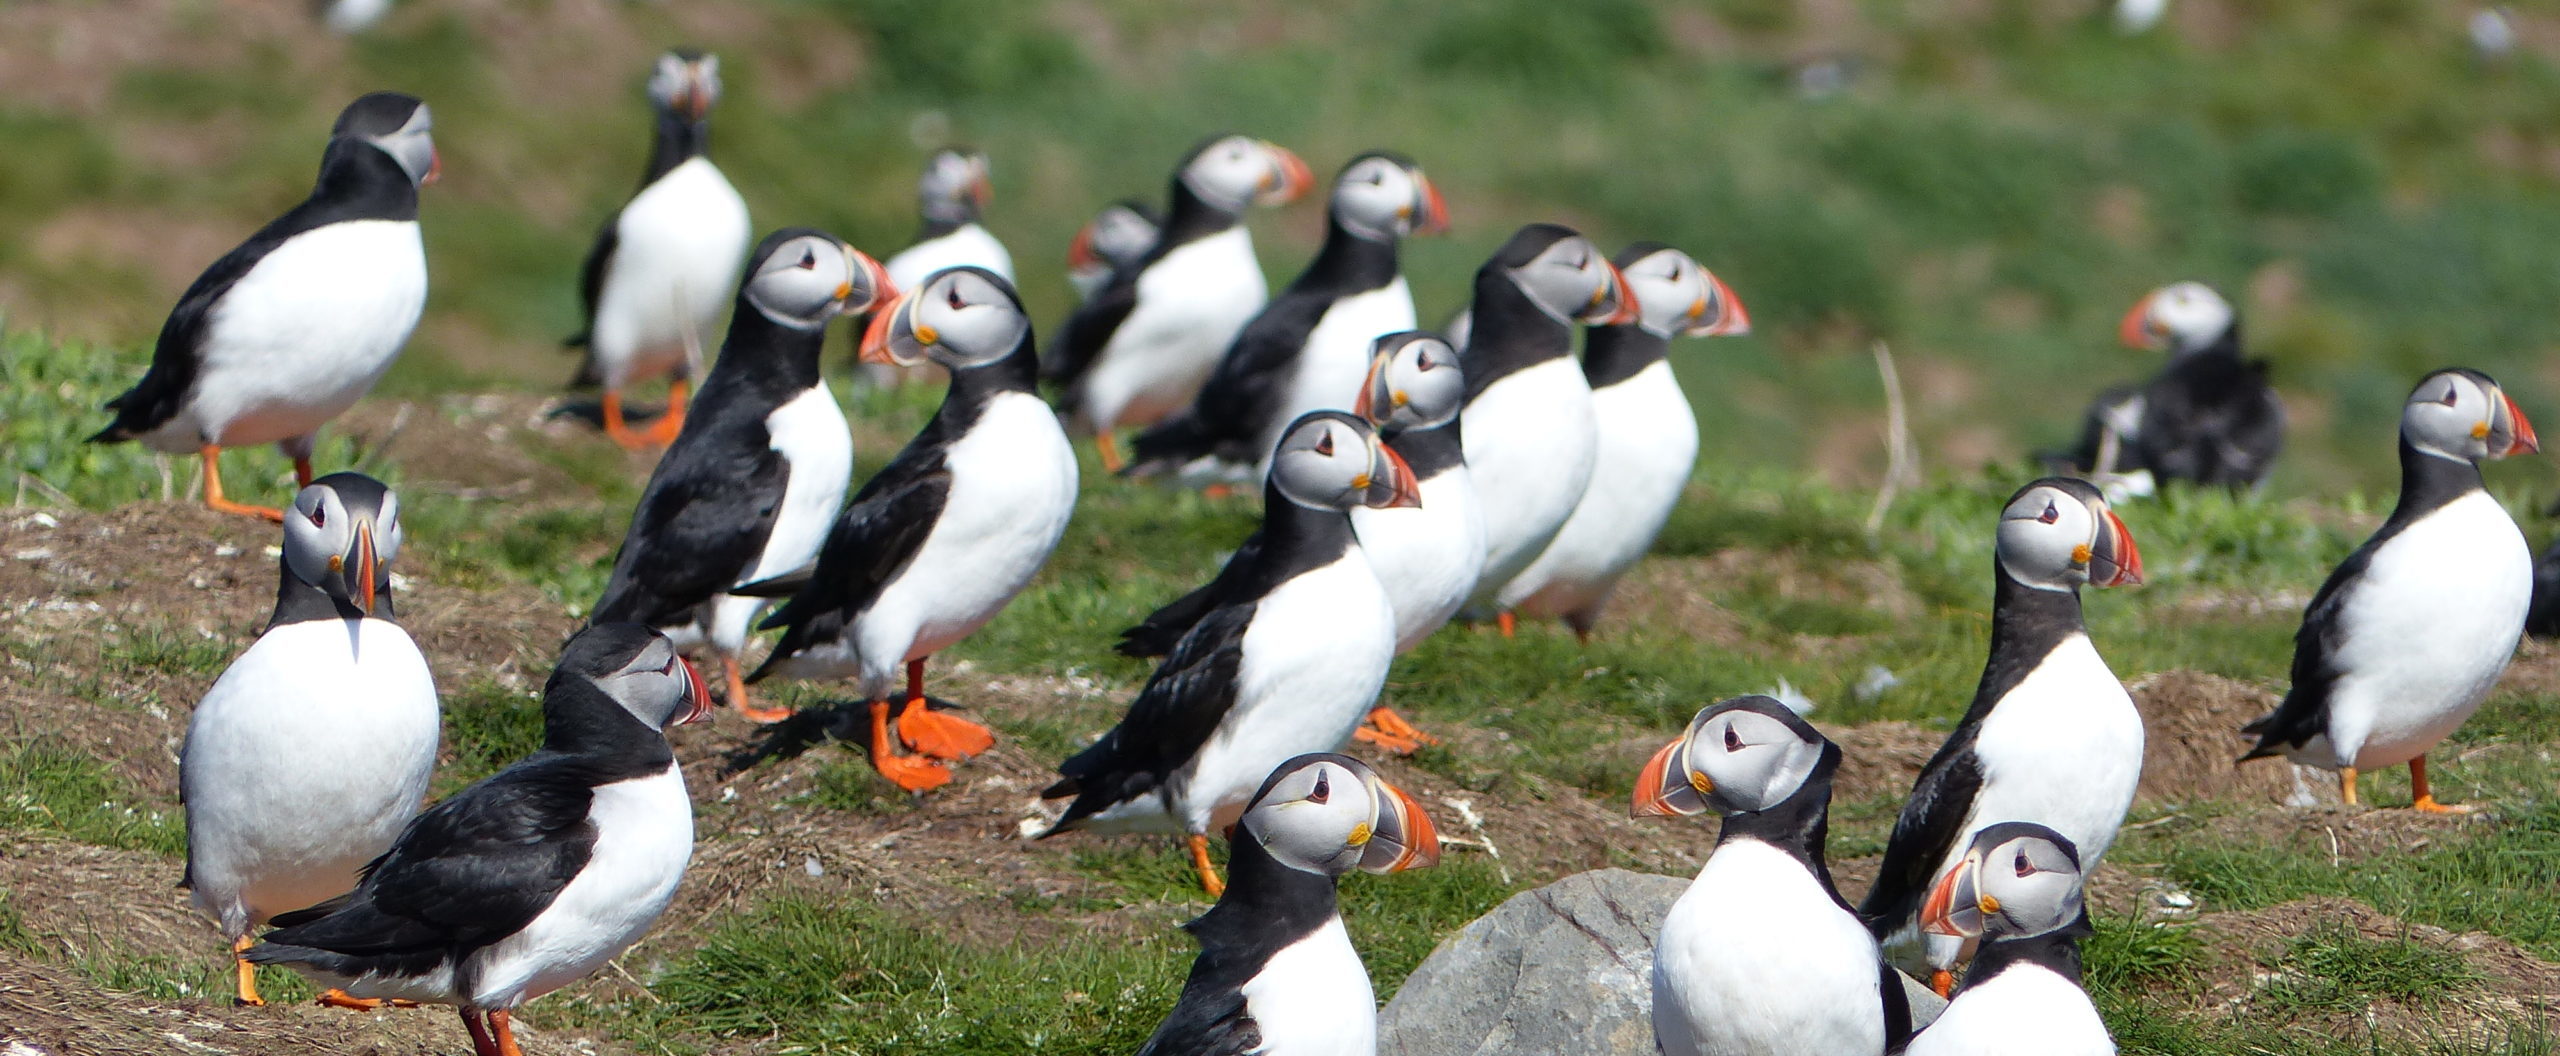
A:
(2338, 969)
(47, 786)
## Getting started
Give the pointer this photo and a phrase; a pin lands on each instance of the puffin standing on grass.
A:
(314, 747)
(1139, 350)
(2018, 890)
(663, 267)
(749, 487)
(288, 330)
(1287, 658)
(1532, 434)
(1761, 955)
(1311, 344)
(540, 875)
(1276, 975)
(2406, 638)
(2051, 736)
(1648, 434)
(949, 196)
(944, 537)
(1117, 237)
(2208, 417)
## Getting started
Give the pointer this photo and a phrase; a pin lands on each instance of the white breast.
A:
(1648, 443)
(810, 432)
(1313, 999)
(302, 763)
(2024, 1011)
(1427, 558)
(1013, 487)
(1335, 360)
(683, 240)
(1190, 306)
(2429, 629)
(300, 337)
(1314, 659)
(1755, 959)
(968, 245)
(1532, 440)
(644, 840)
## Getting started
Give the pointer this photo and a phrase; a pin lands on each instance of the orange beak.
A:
(1400, 488)
(1403, 831)
(883, 291)
(875, 337)
(2118, 550)
(2524, 442)
(365, 567)
(1735, 320)
(1628, 310)
(1649, 800)
(1938, 911)
(1295, 177)
(435, 168)
(697, 691)
(2135, 330)
(1080, 253)
(1435, 209)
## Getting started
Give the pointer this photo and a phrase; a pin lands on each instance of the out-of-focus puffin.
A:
(1276, 975)
(663, 267)
(751, 484)
(1648, 434)
(540, 875)
(954, 189)
(2208, 417)
(1138, 350)
(1532, 435)
(1117, 237)
(1287, 660)
(936, 544)
(314, 747)
(2018, 890)
(1761, 955)
(2406, 637)
(2051, 736)
(286, 331)
(1310, 345)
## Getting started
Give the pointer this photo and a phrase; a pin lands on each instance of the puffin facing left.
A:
(286, 331)
(315, 746)
(749, 487)
(532, 879)
(1276, 974)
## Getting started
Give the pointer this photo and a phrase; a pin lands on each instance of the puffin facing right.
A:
(2408, 635)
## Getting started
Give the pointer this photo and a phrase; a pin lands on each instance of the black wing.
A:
(1081, 338)
(2542, 616)
(1931, 822)
(1897, 1008)
(1157, 634)
(2211, 422)
(469, 871)
(163, 388)
(872, 541)
(2083, 457)
(2304, 714)
(700, 525)
(1206, 1024)
(1177, 710)
(591, 276)
(1238, 401)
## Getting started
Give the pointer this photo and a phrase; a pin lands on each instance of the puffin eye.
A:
(1324, 444)
(952, 298)
(2452, 394)
(1423, 363)
(2050, 514)
(1732, 740)
(1323, 790)
(808, 260)
(319, 516)
(2023, 866)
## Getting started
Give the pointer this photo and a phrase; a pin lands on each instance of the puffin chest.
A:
(1757, 957)
(810, 433)
(1312, 998)
(2062, 748)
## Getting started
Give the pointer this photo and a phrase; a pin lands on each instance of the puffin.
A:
(1287, 659)
(749, 488)
(653, 284)
(1277, 975)
(2406, 637)
(536, 877)
(2051, 737)
(1311, 344)
(1139, 350)
(1532, 435)
(955, 187)
(315, 746)
(2208, 417)
(1761, 954)
(2018, 890)
(1426, 557)
(1648, 434)
(290, 328)
(942, 539)
(1118, 236)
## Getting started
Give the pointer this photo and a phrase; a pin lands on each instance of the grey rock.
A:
(1564, 969)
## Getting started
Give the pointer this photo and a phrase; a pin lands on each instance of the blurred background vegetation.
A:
(1988, 186)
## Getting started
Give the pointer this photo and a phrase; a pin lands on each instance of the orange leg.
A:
(248, 984)
(906, 771)
(1392, 732)
(1108, 448)
(2347, 784)
(481, 1043)
(336, 998)
(738, 695)
(213, 489)
(301, 472)
(938, 734)
(502, 1026)
(1509, 624)
(2426, 800)
(614, 426)
(1209, 881)
(664, 430)
(1942, 982)
(1218, 491)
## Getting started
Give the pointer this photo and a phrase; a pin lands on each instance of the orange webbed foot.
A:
(2428, 805)
(937, 733)
(1942, 982)
(1392, 732)
(336, 998)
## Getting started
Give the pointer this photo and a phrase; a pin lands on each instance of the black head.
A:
(2017, 879)
(1330, 814)
(1565, 275)
(1384, 197)
(803, 278)
(1414, 382)
(955, 186)
(398, 124)
(2464, 415)
(637, 668)
(685, 83)
(963, 318)
(2058, 533)
(341, 535)
(1231, 172)
(1332, 460)
(1677, 296)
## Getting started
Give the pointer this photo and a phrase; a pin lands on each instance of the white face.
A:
(329, 542)
(811, 279)
(2054, 539)
(954, 185)
(1333, 461)
(1332, 814)
(2458, 415)
(688, 88)
(1738, 756)
(1238, 171)
(961, 318)
(2017, 880)
(1414, 383)
(657, 687)
(1120, 235)
(2184, 316)
(1575, 283)
(1379, 199)
(1678, 297)
(413, 145)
